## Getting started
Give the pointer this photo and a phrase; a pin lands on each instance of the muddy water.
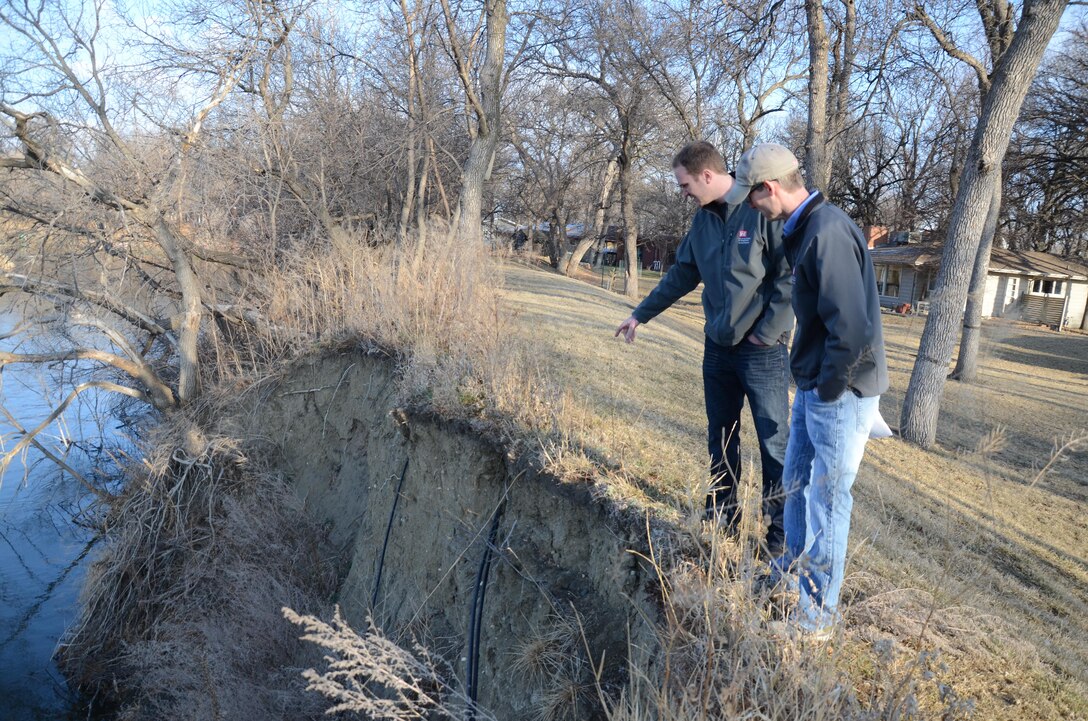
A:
(44, 549)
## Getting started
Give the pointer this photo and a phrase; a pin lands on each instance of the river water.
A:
(44, 544)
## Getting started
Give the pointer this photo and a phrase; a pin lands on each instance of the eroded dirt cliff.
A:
(478, 538)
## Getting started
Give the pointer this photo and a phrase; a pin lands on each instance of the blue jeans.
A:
(827, 441)
(758, 373)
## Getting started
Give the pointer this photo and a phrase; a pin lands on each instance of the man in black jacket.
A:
(838, 364)
(739, 257)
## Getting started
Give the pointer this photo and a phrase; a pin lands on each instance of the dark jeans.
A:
(760, 374)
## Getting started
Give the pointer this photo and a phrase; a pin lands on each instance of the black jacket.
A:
(839, 343)
(740, 258)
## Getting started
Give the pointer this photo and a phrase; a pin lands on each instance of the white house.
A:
(1032, 286)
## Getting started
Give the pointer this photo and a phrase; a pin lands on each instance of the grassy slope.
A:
(952, 549)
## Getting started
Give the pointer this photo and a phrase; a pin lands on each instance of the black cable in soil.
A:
(475, 622)
(385, 543)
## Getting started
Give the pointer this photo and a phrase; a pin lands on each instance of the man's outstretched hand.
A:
(627, 327)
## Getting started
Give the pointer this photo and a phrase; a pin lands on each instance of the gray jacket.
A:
(840, 342)
(741, 260)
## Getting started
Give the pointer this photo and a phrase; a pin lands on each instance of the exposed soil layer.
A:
(558, 553)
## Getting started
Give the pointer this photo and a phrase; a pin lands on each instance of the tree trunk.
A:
(817, 160)
(438, 179)
(967, 362)
(421, 205)
(421, 220)
(482, 151)
(410, 101)
(839, 86)
(192, 309)
(630, 227)
(597, 231)
(410, 161)
(1000, 108)
(557, 234)
(410, 188)
(470, 209)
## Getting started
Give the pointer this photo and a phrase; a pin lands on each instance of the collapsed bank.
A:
(450, 539)
(434, 529)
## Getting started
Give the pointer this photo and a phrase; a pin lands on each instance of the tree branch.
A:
(10, 282)
(162, 397)
(29, 436)
(14, 423)
(462, 66)
(951, 49)
(37, 157)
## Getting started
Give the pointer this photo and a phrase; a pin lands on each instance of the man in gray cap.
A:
(838, 364)
(739, 258)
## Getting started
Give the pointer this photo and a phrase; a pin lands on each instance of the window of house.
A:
(1044, 286)
(887, 280)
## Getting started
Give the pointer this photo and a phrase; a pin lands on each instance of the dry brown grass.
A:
(181, 610)
(721, 653)
(953, 549)
(438, 310)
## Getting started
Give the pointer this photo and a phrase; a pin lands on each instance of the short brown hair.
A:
(792, 181)
(699, 156)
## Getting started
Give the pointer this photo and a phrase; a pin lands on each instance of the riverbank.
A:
(529, 363)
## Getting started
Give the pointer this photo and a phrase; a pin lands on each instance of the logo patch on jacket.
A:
(743, 237)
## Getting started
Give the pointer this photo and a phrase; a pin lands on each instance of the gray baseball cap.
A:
(766, 161)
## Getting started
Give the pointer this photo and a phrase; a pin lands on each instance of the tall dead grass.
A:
(181, 611)
(437, 309)
(723, 650)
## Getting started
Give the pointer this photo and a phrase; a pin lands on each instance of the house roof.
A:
(1020, 262)
(920, 256)
(1035, 263)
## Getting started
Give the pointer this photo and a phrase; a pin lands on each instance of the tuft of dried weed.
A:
(370, 675)
(181, 611)
(554, 664)
(720, 651)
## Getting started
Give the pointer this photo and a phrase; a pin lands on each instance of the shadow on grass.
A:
(1061, 352)
(981, 552)
(959, 431)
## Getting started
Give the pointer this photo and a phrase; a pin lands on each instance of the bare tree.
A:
(720, 68)
(98, 172)
(1047, 165)
(1001, 104)
(685, 57)
(765, 72)
(483, 97)
(595, 233)
(828, 84)
(598, 59)
(998, 26)
(556, 145)
(35, 132)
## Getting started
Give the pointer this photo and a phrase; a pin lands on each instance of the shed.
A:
(1025, 284)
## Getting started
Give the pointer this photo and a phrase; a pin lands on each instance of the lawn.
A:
(961, 548)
